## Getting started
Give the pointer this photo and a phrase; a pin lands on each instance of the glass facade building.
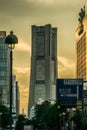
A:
(4, 70)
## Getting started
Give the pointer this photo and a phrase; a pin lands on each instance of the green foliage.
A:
(48, 114)
(77, 118)
(4, 116)
(3, 109)
(84, 123)
(28, 122)
(4, 120)
(20, 122)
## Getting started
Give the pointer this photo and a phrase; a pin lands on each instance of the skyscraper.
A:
(81, 50)
(4, 70)
(15, 96)
(43, 64)
(81, 46)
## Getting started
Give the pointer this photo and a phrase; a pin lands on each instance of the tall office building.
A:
(81, 46)
(15, 96)
(4, 70)
(81, 50)
(5, 77)
(43, 64)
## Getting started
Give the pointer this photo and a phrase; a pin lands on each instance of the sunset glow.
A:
(19, 15)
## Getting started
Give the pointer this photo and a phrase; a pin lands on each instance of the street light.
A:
(64, 120)
(60, 115)
(11, 40)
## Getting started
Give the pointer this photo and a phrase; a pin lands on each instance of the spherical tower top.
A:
(11, 39)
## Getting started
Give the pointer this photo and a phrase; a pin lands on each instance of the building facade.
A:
(4, 70)
(81, 53)
(81, 47)
(43, 64)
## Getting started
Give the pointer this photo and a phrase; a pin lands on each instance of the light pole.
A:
(60, 115)
(11, 40)
(63, 120)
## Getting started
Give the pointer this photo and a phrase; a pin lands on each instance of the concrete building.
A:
(43, 64)
(4, 70)
(81, 52)
(81, 47)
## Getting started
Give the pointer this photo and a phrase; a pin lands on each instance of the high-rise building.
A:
(5, 77)
(4, 70)
(43, 64)
(81, 50)
(81, 46)
(15, 96)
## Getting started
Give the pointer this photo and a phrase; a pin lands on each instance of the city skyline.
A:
(19, 15)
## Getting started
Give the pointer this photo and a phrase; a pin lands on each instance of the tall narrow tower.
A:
(43, 64)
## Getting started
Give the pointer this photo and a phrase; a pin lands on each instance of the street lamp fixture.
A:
(11, 40)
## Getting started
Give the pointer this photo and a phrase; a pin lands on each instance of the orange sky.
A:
(19, 15)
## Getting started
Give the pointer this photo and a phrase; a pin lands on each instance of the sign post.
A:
(69, 91)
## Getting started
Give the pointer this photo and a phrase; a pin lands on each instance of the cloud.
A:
(67, 63)
(66, 67)
(22, 46)
(22, 75)
(24, 8)
(48, 2)
(43, 1)
(21, 70)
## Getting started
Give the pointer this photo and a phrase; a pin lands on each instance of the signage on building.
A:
(69, 90)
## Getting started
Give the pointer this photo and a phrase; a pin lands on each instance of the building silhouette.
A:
(43, 64)
(15, 96)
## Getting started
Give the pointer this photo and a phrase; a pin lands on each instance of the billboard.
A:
(69, 89)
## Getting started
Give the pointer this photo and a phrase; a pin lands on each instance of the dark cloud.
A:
(23, 8)
(13, 7)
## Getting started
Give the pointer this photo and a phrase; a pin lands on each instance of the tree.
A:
(20, 122)
(4, 116)
(48, 114)
(84, 123)
(77, 119)
(40, 110)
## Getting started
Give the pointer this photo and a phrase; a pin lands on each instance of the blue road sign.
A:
(69, 89)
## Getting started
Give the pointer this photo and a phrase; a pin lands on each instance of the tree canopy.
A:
(4, 116)
(48, 113)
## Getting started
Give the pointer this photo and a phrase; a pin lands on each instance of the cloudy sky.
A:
(19, 15)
